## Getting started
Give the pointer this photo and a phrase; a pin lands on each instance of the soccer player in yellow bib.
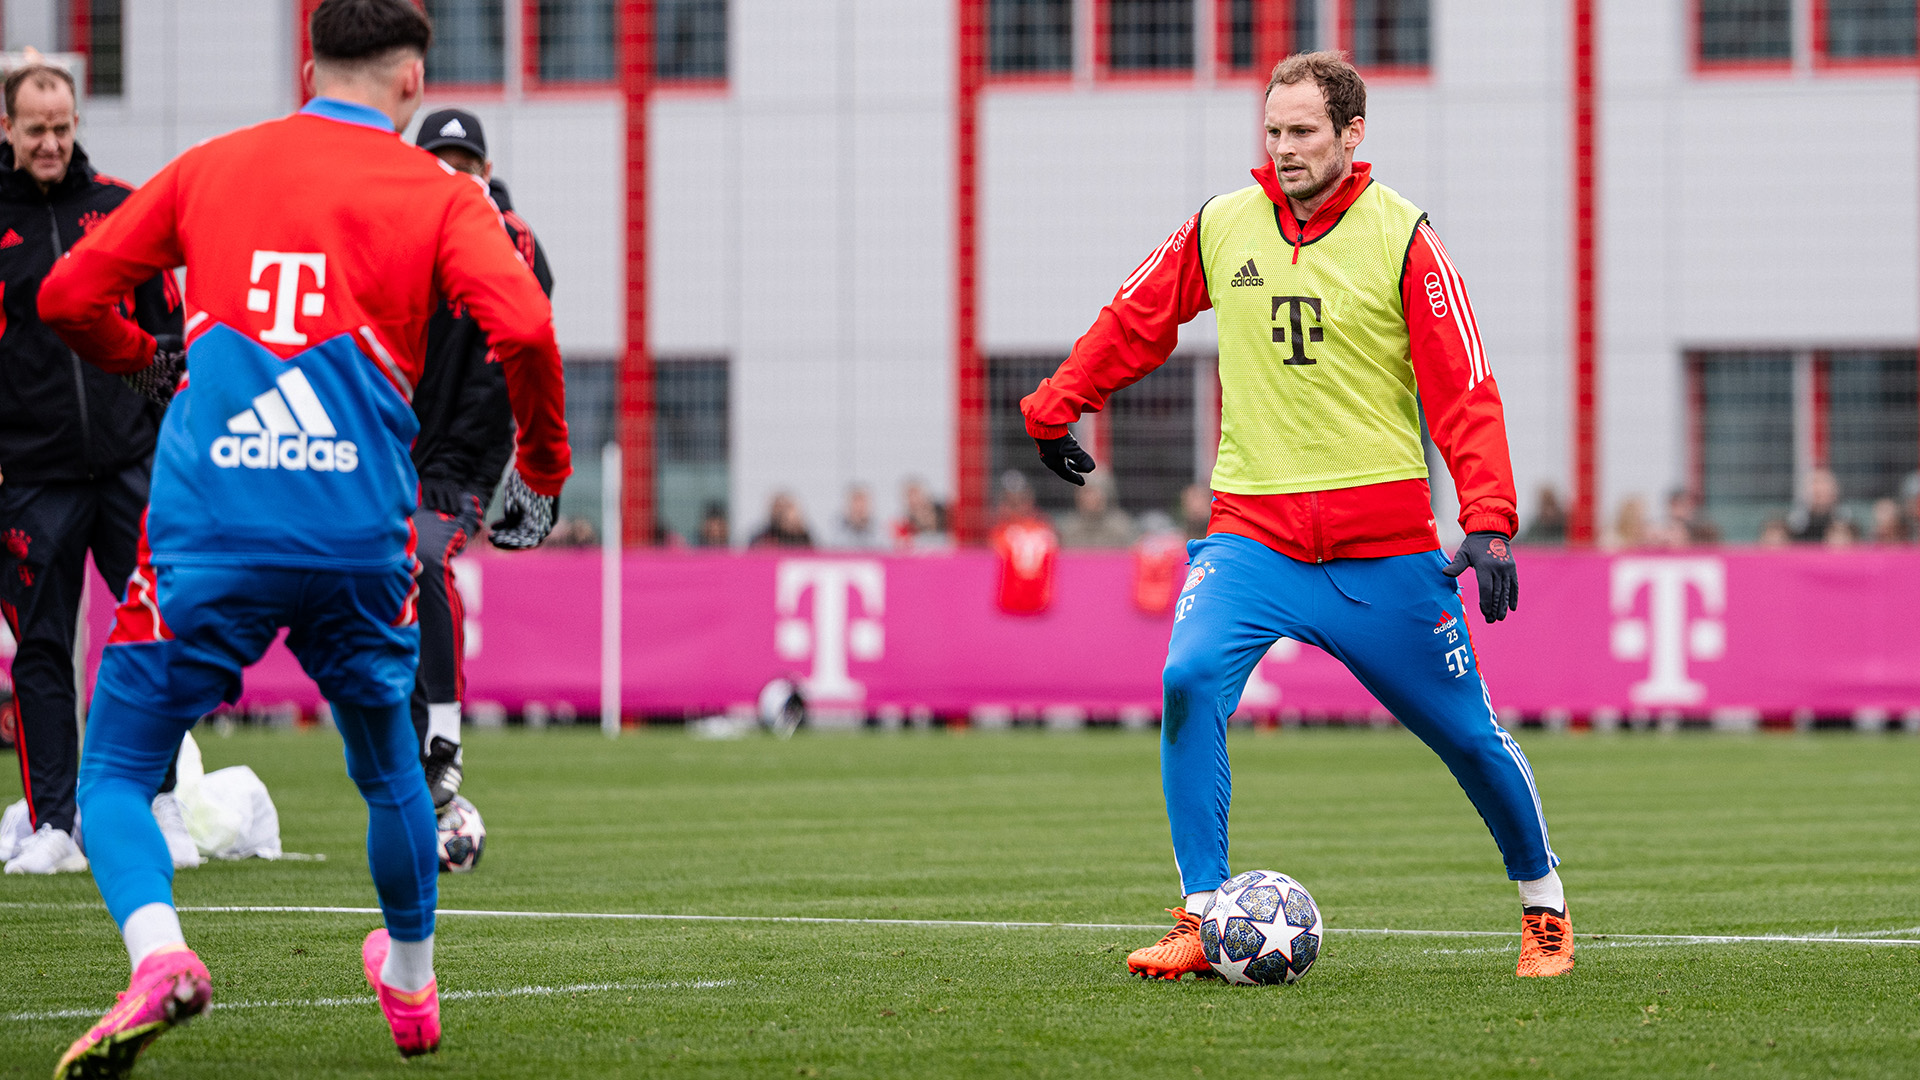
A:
(1341, 320)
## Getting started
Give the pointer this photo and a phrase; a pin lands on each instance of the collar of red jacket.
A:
(1325, 218)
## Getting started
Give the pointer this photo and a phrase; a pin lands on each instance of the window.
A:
(93, 29)
(1149, 430)
(1256, 34)
(573, 41)
(469, 42)
(1745, 447)
(690, 440)
(1388, 33)
(690, 39)
(1736, 31)
(1765, 420)
(593, 394)
(1867, 29)
(1010, 378)
(1145, 36)
(1871, 421)
(1029, 36)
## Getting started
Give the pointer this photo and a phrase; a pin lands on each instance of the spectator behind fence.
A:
(1775, 534)
(713, 526)
(1095, 521)
(1549, 524)
(1812, 521)
(924, 528)
(1890, 526)
(1196, 510)
(1630, 523)
(1686, 525)
(855, 528)
(786, 525)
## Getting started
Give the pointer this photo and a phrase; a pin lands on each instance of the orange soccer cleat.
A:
(169, 988)
(1546, 943)
(1174, 955)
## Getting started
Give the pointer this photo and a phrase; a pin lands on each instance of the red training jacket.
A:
(1138, 329)
(252, 214)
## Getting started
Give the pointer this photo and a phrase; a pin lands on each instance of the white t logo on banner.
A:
(287, 295)
(834, 635)
(1667, 638)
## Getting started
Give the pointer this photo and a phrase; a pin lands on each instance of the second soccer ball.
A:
(463, 836)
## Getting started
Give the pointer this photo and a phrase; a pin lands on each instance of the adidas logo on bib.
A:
(287, 428)
(1248, 275)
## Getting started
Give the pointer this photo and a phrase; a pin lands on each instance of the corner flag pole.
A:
(610, 590)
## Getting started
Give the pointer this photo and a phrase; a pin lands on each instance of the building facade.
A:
(872, 224)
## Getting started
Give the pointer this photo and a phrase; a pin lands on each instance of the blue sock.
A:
(383, 758)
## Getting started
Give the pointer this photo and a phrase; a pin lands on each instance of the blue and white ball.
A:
(463, 837)
(1262, 928)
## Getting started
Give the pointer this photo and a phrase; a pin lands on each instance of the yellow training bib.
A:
(1316, 379)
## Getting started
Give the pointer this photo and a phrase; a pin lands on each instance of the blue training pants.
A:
(1398, 625)
(355, 636)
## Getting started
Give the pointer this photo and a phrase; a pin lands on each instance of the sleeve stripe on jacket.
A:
(1146, 269)
(1455, 292)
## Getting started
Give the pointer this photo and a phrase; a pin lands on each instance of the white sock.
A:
(443, 720)
(409, 964)
(1197, 902)
(1545, 892)
(151, 928)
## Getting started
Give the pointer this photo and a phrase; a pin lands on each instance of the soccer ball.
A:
(463, 836)
(1261, 929)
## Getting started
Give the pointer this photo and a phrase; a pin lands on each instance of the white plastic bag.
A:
(15, 826)
(229, 813)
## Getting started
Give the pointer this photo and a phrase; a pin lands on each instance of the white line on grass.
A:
(452, 995)
(1870, 937)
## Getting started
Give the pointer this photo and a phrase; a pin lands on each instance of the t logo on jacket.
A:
(282, 299)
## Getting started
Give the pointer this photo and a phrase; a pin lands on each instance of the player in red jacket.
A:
(1342, 324)
(317, 248)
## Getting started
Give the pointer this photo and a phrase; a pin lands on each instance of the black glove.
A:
(1492, 562)
(1065, 457)
(158, 380)
(442, 496)
(526, 516)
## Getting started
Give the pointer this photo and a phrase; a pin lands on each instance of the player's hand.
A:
(526, 517)
(1492, 561)
(158, 380)
(442, 496)
(1065, 457)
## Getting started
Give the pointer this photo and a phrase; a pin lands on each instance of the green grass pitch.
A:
(1687, 834)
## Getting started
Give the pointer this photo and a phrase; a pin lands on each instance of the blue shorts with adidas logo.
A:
(1397, 623)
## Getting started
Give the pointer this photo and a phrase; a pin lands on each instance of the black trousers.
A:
(442, 676)
(46, 531)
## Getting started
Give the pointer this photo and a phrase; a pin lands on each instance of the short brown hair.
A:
(44, 76)
(1344, 89)
(361, 31)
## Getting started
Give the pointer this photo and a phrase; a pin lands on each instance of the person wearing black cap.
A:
(466, 439)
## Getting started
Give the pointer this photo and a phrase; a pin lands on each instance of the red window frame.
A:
(1102, 55)
(1272, 37)
(1702, 66)
(660, 85)
(1343, 38)
(1891, 65)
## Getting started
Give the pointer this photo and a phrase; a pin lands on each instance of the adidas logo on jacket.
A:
(287, 428)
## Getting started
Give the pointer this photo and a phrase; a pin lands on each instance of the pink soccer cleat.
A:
(169, 987)
(414, 1017)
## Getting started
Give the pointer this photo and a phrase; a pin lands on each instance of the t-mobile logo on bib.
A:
(285, 297)
(834, 634)
(1667, 637)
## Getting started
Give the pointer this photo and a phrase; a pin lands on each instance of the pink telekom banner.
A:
(1695, 632)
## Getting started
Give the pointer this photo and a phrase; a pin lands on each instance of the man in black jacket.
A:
(76, 446)
(466, 437)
